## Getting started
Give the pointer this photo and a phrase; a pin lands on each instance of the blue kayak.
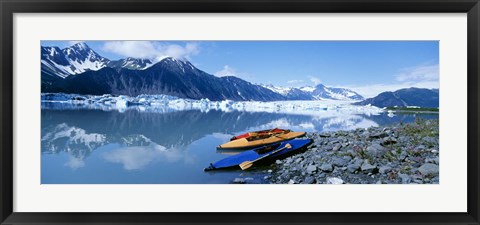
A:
(298, 145)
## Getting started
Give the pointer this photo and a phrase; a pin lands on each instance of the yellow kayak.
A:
(252, 142)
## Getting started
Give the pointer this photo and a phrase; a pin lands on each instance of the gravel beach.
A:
(404, 153)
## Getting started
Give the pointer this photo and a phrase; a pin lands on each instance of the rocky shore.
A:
(399, 154)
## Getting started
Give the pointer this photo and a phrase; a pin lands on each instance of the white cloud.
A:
(294, 81)
(223, 137)
(178, 51)
(315, 80)
(424, 76)
(229, 71)
(151, 50)
(226, 71)
(75, 163)
(70, 43)
(136, 49)
(419, 73)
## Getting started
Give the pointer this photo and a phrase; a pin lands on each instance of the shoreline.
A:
(414, 112)
(404, 153)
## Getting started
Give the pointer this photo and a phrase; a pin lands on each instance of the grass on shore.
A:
(405, 109)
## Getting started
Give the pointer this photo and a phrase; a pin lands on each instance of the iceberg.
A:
(166, 103)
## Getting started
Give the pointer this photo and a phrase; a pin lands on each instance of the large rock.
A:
(417, 159)
(355, 165)
(375, 150)
(327, 167)
(298, 160)
(309, 180)
(389, 141)
(368, 168)
(384, 169)
(347, 157)
(428, 169)
(380, 134)
(420, 148)
(328, 148)
(405, 178)
(433, 160)
(336, 147)
(339, 161)
(334, 180)
(311, 169)
(324, 135)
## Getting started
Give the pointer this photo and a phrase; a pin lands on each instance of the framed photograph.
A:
(231, 112)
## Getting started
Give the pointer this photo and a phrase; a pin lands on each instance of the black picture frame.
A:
(10, 7)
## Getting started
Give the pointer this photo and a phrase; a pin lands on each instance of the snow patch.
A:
(307, 89)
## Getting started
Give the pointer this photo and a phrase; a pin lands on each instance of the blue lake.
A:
(92, 146)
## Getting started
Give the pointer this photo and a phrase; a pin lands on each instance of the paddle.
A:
(247, 164)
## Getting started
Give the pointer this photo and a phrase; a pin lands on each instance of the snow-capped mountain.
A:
(72, 60)
(323, 92)
(307, 89)
(170, 76)
(290, 93)
(131, 63)
(280, 90)
(80, 58)
(318, 92)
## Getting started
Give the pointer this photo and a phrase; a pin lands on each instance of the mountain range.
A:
(319, 92)
(421, 97)
(79, 69)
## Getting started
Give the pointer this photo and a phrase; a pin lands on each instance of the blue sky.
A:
(368, 67)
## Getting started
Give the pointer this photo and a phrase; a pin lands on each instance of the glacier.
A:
(166, 103)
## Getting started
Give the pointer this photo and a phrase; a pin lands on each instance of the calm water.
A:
(85, 146)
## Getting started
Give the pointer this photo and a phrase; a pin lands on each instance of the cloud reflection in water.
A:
(138, 157)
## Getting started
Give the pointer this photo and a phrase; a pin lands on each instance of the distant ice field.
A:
(165, 103)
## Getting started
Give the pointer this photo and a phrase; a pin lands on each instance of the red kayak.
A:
(260, 133)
